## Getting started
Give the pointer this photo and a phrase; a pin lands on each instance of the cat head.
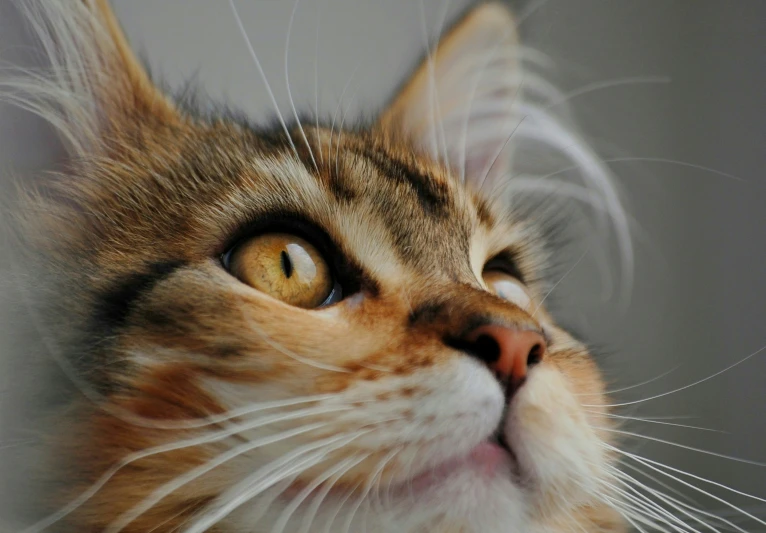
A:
(296, 328)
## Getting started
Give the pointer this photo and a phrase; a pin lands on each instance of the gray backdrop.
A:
(698, 299)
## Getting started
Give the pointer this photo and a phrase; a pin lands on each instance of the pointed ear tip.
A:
(493, 12)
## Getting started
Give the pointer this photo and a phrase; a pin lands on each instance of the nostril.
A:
(486, 348)
(535, 355)
(507, 351)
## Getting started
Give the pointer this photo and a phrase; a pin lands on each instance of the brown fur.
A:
(168, 193)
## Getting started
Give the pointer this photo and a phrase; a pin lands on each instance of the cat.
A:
(293, 328)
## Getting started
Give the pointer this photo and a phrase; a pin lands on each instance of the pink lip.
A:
(487, 458)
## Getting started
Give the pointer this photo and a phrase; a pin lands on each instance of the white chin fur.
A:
(559, 461)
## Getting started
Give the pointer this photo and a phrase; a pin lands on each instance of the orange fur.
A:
(132, 237)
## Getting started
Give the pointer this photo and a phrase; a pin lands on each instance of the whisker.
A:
(637, 495)
(331, 518)
(648, 463)
(569, 270)
(434, 106)
(627, 511)
(472, 95)
(684, 446)
(287, 82)
(637, 159)
(43, 524)
(609, 84)
(254, 56)
(660, 422)
(265, 501)
(656, 480)
(654, 510)
(368, 486)
(341, 131)
(684, 508)
(168, 488)
(502, 148)
(290, 509)
(316, 83)
(623, 389)
(269, 474)
(377, 496)
(734, 365)
(312, 510)
(289, 353)
(337, 109)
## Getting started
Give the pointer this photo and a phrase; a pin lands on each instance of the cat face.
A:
(299, 329)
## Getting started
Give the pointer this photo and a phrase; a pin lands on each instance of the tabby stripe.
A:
(432, 195)
(115, 303)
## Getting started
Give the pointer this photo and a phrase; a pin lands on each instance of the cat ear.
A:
(95, 89)
(459, 105)
(127, 84)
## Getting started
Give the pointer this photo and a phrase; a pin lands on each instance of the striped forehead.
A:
(392, 214)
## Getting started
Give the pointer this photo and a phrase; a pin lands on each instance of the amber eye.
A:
(284, 266)
(508, 288)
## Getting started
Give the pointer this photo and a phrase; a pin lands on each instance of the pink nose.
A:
(507, 351)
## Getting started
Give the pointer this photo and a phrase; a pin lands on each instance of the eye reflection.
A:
(284, 266)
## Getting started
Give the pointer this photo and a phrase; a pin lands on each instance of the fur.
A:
(211, 406)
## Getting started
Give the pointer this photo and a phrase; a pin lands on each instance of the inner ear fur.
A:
(458, 106)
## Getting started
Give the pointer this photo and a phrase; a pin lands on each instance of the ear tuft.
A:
(94, 87)
(459, 105)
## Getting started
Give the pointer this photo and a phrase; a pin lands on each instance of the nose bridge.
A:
(458, 309)
(484, 327)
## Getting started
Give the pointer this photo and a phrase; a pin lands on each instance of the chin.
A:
(537, 468)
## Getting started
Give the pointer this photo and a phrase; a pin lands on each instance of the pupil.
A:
(287, 264)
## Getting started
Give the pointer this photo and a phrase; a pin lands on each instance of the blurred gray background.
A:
(699, 297)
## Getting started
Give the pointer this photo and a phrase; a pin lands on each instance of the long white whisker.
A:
(312, 510)
(634, 490)
(629, 511)
(623, 389)
(377, 496)
(368, 486)
(502, 148)
(341, 131)
(684, 446)
(168, 488)
(269, 474)
(651, 508)
(316, 83)
(290, 509)
(608, 84)
(734, 365)
(637, 159)
(680, 506)
(641, 459)
(287, 82)
(569, 270)
(254, 56)
(337, 109)
(265, 501)
(291, 354)
(334, 515)
(659, 482)
(435, 107)
(660, 422)
(187, 443)
(648, 463)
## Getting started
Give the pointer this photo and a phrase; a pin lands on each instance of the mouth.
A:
(491, 458)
